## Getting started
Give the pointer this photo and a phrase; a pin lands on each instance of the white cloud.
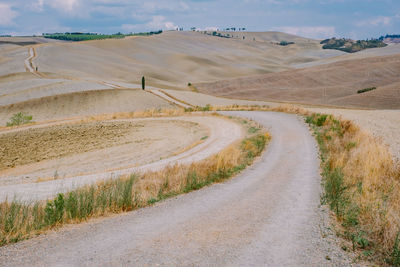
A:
(7, 14)
(155, 6)
(317, 32)
(157, 23)
(37, 6)
(378, 21)
(66, 6)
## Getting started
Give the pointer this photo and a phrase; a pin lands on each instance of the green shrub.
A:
(54, 210)
(365, 90)
(285, 43)
(317, 119)
(19, 119)
(395, 256)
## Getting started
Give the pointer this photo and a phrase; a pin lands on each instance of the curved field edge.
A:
(20, 221)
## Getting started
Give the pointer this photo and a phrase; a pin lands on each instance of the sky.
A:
(357, 19)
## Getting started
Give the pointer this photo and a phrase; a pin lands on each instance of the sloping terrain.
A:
(173, 59)
(333, 84)
(93, 102)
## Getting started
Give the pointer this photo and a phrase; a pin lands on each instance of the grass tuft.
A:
(19, 119)
(20, 221)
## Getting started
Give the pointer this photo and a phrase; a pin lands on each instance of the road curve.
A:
(28, 62)
(267, 216)
(222, 132)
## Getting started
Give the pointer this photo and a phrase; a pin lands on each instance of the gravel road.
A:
(222, 132)
(168, 98)
(267, 216)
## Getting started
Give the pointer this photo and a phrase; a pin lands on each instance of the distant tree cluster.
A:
(285, 43)
(365, 90)
(391, 36)
(79, 36)
(234, 29)
(218, 34)
(351, 46)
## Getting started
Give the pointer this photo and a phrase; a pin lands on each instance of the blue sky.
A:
(317, 19)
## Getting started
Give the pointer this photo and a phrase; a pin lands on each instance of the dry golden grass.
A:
(370, 213)
(20, 221)
(149, 113)
(364, 184)
(370, 203)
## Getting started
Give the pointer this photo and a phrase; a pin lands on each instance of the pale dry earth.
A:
(391, 49)
(86, 103)
(201, 100)
(68, 150)
(334, 84)
(170, 99)
(222, 132)
(268, 215)
(195, 56)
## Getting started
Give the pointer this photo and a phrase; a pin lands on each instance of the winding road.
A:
(222, 132)
(269, 215)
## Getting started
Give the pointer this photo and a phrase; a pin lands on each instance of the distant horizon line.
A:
(188, 30)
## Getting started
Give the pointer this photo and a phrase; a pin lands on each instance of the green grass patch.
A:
(19, 119)
(78, 36)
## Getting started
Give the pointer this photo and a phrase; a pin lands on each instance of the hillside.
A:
(173, 59)
(333, 84)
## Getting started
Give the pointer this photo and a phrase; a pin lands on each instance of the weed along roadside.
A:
(362, 188)
(361, 184)
(19, 221)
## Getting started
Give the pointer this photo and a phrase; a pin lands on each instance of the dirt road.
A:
(222, 132)
(168, 98)
(28, 62)
(267, 216)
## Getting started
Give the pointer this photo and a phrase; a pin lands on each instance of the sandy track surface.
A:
(199, 99)
(222, 132)
(268, 215)
(169, 99)
(28, 62)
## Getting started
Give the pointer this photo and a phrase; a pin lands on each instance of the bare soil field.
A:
(169, 144)
(173, 59)
(334, 84)
(45, 88)
(84, 104)
(71, 149)
(391, 49)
